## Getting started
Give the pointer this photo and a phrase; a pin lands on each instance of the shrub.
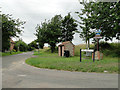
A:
(22, 46)
(110, 49)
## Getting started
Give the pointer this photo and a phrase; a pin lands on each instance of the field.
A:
(48, 60)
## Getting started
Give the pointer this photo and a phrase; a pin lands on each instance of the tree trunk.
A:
(88, 43)
(18, 49)
(52, 47)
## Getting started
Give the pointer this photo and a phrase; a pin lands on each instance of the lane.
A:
(7, 61)
(21, 75)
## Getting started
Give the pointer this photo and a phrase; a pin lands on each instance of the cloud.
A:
(36, 11)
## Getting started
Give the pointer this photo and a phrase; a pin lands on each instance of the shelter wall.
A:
(70, 47)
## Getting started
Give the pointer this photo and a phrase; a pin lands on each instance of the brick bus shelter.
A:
(69, 46)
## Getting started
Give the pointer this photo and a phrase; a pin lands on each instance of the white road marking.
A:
(22, 75)
(23, 63)
(105, 71)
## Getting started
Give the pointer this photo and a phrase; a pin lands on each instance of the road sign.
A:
(98, 32)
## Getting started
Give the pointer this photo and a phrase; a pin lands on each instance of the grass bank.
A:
(49, 60)
(8, 53)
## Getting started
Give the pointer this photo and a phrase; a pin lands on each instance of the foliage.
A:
(68, 28)
(20, 46)
(104, 16)
(56, 30)
(86, 34)
(41, 34)
(33, 45)
(110, 49)
(49, 32)
(10, 28)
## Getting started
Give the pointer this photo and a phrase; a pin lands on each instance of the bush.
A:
(110, 49)
(13, 50)
(104, 45)
(21, 45)
(30, 48)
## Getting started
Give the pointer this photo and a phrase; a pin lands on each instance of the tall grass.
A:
(81, 46)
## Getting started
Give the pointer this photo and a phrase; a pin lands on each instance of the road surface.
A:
(17, 74)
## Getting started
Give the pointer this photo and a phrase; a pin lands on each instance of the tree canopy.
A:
(101, 15)
(69, 26)
(20, 45)
(49, 32)
(33, 45)
(56, 30)
(10, 28)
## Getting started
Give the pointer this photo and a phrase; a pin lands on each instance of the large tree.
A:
(54, 32)
(10, 28)
(69, 27)
(85, 32)
(104, 16)
(49, 32)
(41, 34)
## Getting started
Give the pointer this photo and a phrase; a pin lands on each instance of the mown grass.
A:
(8, 53)
(49, 60)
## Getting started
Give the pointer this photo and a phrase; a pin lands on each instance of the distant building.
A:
(12, 43)
(66, 46)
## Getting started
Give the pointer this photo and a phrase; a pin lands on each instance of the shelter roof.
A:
(63, 43)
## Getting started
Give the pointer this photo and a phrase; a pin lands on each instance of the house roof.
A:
(63, 43)
(12, 42)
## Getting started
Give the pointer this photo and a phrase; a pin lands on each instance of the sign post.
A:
(85, 50)
(80, 55)
(98, 37)
(38, 47)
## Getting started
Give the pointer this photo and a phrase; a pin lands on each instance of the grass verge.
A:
(8, 53)
(49, 60)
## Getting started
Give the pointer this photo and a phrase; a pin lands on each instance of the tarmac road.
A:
(17, 74)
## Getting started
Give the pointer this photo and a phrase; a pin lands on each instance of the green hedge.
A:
(110, 49)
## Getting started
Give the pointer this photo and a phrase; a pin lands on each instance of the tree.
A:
(104, 16)
(54, 31)
(33, 45)
(49, 32)
(0, 31)
(20, 46)
(10, 28)
(41, 34)
(85, 32)
(68, 28)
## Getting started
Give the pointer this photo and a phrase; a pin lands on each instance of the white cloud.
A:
(36, 11)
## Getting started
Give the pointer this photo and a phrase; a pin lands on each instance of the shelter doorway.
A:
(60, 50)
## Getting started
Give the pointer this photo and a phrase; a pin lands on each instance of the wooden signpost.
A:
(97, 37)
(97, 54)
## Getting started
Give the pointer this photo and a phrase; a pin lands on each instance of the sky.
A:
(36, 11)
